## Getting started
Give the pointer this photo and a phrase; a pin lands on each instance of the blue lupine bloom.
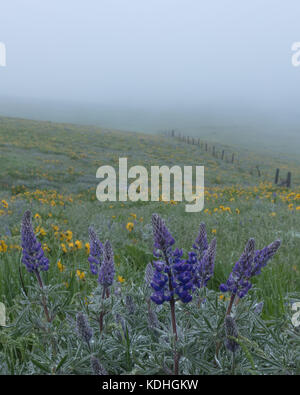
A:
(107, 269)
(33, 254)
(205, 265)
(173, 275)
(261, 257)
(163, 239)
(249, 265)
(96, 252)
(201, 244)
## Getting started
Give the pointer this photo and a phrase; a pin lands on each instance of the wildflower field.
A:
(143, 287)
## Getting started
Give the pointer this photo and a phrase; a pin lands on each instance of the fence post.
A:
(276, 176)
(288, 179)
(223, 152)
(258, 171)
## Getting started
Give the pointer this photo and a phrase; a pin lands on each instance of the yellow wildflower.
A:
(130, 226)
(60, 266)
(64, 248)
(78, 244)
(80, 275)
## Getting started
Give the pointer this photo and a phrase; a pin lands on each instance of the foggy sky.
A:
(159, 53)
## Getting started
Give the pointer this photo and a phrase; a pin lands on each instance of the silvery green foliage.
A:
(141, 342)
(149, 272)
(130, 304)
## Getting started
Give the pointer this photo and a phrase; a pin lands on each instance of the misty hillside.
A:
(52, 155)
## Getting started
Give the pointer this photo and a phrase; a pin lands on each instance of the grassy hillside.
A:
(50, 169)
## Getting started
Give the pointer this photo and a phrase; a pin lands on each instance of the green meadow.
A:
(50, 169)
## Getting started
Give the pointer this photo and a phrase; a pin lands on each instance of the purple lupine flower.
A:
(107, 269)
(174, 275)
(33, 254)
(205, 267)
(249, 265)
(163, 239)
(201, 244)
(96, 252)
(261, 257)
(231, 332)
(83, 328)
(97, 368)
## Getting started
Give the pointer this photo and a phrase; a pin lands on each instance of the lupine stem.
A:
(230, 304)
(173, 319)
(104, 293)
(43, 296)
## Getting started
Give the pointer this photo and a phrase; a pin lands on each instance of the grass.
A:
(50, 169)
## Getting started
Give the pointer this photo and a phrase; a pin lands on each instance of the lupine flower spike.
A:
(96, 252)
(106, 275)
(97, 368)
(231, 332)
(33, 255)
(249, 265)
(83, 328)
(107, 269)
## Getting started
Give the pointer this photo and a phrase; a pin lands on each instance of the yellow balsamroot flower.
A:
(87, 248)
(55, 228)
(69, 235)
(60, 266)
(64, 248)
(71, 245)
(78, 244)
(4, 203)
(80, 275)
(41, 231)
(237, 211)
(130, 226)
(214, 231)
(37, 216)
(298, 208)
(133, 215)
(3, 246)
(45, 247)
(273, 214)
(121, 279)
